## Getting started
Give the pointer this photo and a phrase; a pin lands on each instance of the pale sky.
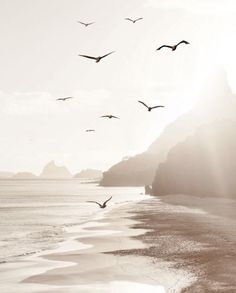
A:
(40, 43)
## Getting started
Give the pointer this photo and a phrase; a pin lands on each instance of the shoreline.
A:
(15, 271)
(195, 235)
(174, 243)
(99, 268)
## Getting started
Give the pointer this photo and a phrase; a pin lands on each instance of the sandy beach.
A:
(141, 246)
(101, 267)
(195, 234)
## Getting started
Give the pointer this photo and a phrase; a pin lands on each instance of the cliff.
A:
(136, 171)
(216, 101)
(204, 164)
(52, 171)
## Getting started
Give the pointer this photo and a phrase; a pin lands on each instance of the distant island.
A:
(89, 174)
(24, 175)
(6, 174)
(52, 171)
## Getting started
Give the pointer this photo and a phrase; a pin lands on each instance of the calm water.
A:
(34, 214)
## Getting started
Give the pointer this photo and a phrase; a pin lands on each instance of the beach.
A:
(101, 267)
(197, 235)
(170, 244)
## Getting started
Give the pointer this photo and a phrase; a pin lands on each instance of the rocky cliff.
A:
(204, 164)
(216, 101)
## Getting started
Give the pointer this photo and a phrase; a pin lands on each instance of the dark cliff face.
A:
(203, 165)
(216, 101)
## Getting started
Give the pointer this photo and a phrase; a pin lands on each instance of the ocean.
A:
(36, 215)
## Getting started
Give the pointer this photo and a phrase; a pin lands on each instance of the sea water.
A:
(35, 214)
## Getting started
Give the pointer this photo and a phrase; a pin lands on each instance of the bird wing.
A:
(67, 98)
(115, 117)
(182, 42)
(107, 200)
(95, 202)
(89, 23)
(129, 19)
(143, 104)
(107, 54)
(90, 57)
(157, 107)
(138, 19)
(107, 116)
(60, 99)
(164, 47)
(82, 22)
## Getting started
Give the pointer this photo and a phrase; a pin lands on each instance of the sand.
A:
(172, 244)
(100, 269)
(90, 262)
(197, 235)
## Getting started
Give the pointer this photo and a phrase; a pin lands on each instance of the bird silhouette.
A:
(133, 20)
(64, 99)
(85, 24)
(97, 59)
(90, 130)
(173, 47)
(150, 108)
(109, 116)
(102, 206)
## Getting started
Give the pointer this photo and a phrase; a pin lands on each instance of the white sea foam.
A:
(38, 215)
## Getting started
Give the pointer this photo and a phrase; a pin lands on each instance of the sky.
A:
(40, 43)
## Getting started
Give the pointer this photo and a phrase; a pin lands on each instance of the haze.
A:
(40, 43)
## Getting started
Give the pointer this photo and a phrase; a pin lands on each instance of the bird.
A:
(89, 130)
(97, 59)
(173, 47)
(150, 108)
(64, 99)
(85, 24)
(102, 206)
(109, 116)
(133, 20)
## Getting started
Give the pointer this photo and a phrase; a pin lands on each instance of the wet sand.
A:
(197, 235)
(170, 244)
(103, 268)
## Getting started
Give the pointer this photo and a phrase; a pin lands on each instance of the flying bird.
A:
(85, 24)
(133, 20)
(109, 116)
(64, 99)
(102, 206)
(150, 108)
(173, 47)
(97, 59)
(89, 130)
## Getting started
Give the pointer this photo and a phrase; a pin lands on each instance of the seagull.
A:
(85, 24)
(150, 108)
(97, 59)
(102, 206)
(64, 99)
(173, 47)
(109, 116)
(133, 20)
(89, 130)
